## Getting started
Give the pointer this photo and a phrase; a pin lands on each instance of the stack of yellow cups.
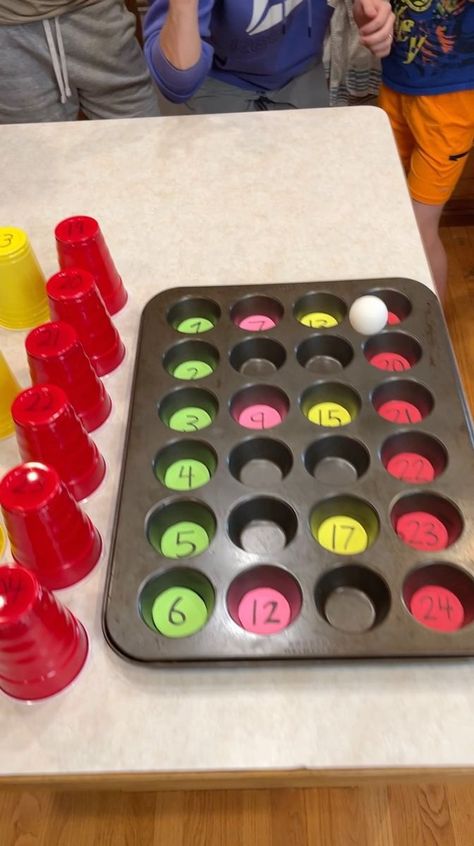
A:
(23, 299)
(9, 389)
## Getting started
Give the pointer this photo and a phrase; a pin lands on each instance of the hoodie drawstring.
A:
(310, 18)
(58, 58)
(309, 9)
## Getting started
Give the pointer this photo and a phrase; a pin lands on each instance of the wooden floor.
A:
(423, 815)
(381, 815)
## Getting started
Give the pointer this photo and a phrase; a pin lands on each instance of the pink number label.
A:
(400, 411)
(437, 608)
(264, 611)
(257, 323)
(259, 417)
(422, 531)
(411, 467)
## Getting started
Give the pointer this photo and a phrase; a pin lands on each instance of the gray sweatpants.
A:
(307, 91)
(88, 59)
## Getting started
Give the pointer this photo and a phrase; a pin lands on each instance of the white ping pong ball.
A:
(368, 315)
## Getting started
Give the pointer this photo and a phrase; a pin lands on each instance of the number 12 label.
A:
(264, 611)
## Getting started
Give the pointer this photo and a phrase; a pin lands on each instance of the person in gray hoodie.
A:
(60, 57)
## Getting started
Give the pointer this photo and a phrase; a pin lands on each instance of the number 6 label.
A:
(179, 612)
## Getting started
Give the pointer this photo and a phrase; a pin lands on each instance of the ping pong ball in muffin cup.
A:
(398, 305)
(368, 315)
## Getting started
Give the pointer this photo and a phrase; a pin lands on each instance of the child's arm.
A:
(178, 58)
(375, 20)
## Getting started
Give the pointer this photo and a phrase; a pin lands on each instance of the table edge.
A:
(239, 779)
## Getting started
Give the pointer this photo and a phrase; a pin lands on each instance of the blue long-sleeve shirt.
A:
(254, 44)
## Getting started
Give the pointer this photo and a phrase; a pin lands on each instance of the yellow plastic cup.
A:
(23, 298)
(9, 389)
(3, 541)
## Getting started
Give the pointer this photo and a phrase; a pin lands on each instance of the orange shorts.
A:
(434, 136)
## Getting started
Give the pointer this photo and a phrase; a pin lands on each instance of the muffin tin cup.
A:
(324, 354)
(257, 357)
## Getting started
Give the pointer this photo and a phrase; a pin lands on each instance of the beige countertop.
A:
(222, 200)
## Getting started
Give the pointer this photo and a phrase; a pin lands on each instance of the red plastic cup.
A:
(80, 243)
(48, 532)
(56, 356)
(49, 430)
(42, 645)
(74, 297)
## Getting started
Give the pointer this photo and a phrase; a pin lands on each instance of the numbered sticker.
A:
(422, 531)
(260, 417)
(190, 419)
(400, 411)
(319, 320)
(11, 240)
(37, 402)
(48, 337)
(192, 370)
(437, 608)
(329, 414)
(394, 362)
(411, 467)
(179, 612)
(186, 475)
(343, 535)
(70, 280)
(264, 611)
(257, 323)
(184, 540)
(77, 229)
(195, 325)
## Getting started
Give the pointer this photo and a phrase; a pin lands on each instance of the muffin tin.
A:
(292, 489)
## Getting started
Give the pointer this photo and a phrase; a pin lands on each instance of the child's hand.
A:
(375, 20)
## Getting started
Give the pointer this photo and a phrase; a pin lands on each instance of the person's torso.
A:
(433, 47)
(26, 11)
(267, 41)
